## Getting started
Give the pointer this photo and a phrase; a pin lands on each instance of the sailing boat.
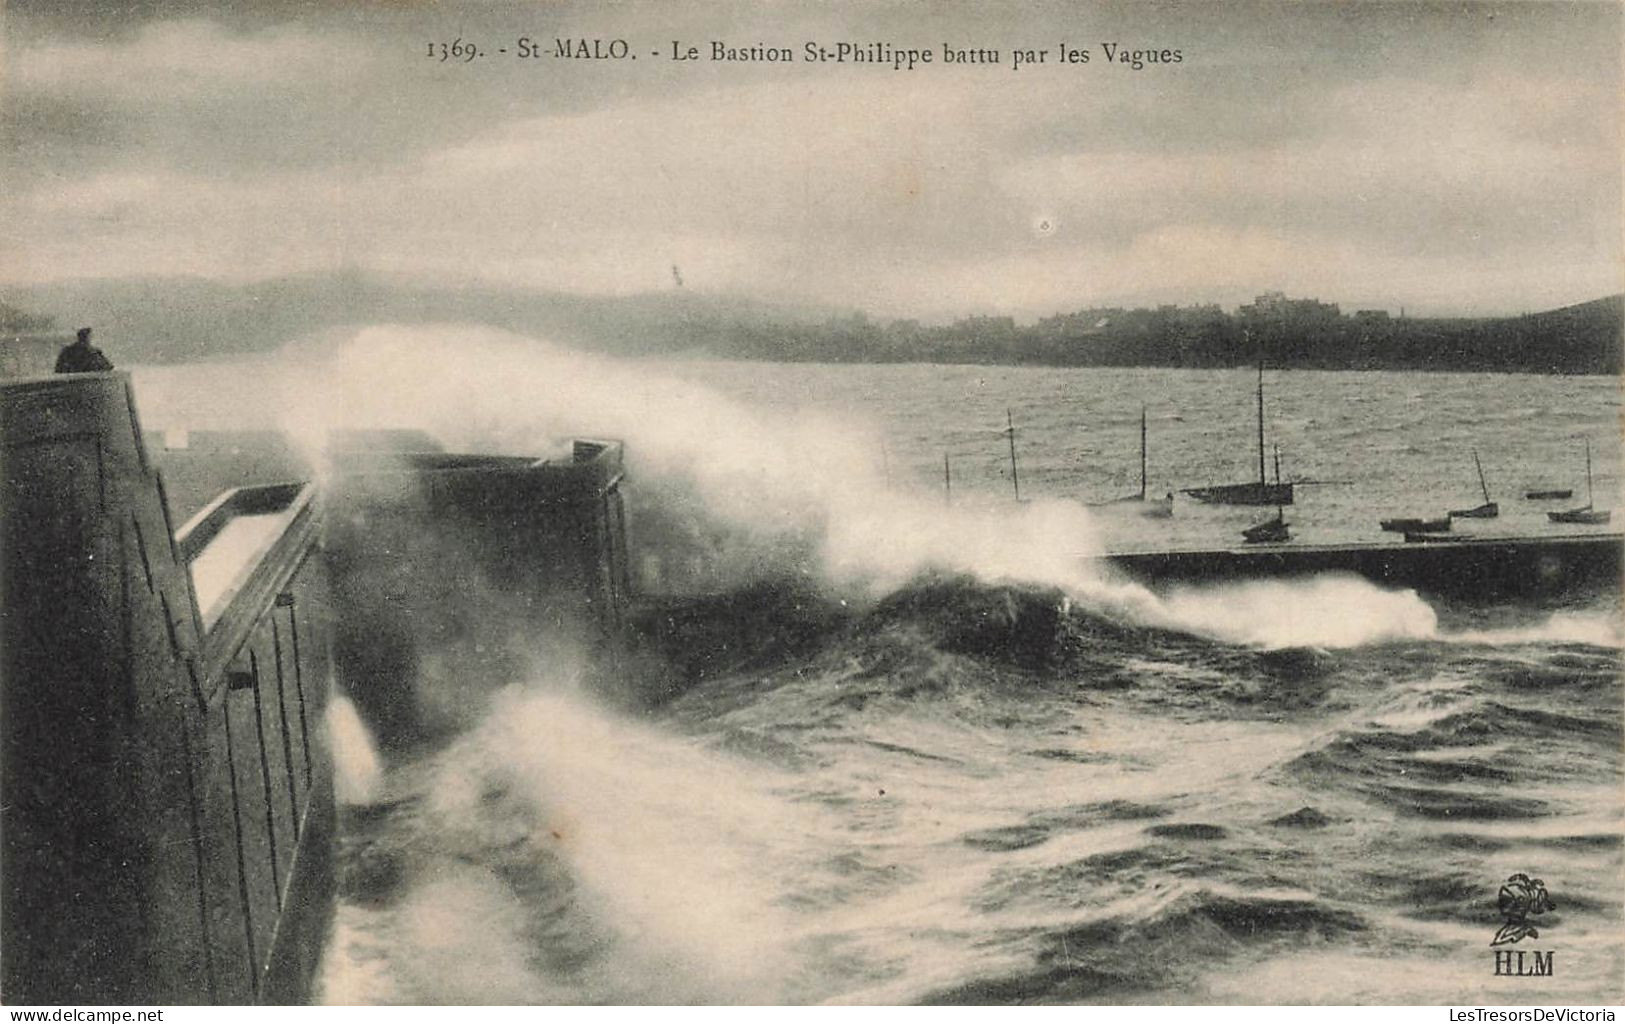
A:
(1260, 493)
(1488, 510)
(1150, 508)
(1270, 530)
(1586, 514)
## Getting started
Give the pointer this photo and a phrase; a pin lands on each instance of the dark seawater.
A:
(984, 775)
(1390, 444)
(962, 795)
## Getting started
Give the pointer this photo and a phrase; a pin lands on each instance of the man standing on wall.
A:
(82, 357)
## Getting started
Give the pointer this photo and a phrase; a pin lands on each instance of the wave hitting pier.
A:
(1488, 568)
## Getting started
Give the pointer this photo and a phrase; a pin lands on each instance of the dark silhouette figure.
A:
(82, 356)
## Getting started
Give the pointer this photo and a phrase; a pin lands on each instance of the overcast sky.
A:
(1448, 158)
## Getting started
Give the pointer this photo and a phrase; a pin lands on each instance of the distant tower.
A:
(676, 275)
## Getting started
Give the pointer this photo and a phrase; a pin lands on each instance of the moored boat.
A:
(1260, 492)
(1488, 510)
(1587, 514)
(1581, 516)
(1269, 531)
(1242, 494)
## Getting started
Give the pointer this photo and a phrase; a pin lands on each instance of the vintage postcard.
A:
(827, 503)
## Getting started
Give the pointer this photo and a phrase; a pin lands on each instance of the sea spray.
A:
(1594, 629)
(1322, 611)
(677, 850)
(782, 479)
(356, 774)
(467, 942)
(775, 490)
(567, 854)
(794, 491)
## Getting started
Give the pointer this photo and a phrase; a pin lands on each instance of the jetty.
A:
(1488, 568)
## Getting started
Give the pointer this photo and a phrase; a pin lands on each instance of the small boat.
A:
(1250, 493)
(1488, 510)
(1150, 508)
(1416, 525)
(1270, 531)
(1566, 492)
(1585, 515)
(1242, 494)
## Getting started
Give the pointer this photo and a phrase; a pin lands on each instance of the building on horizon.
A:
(1275, 309)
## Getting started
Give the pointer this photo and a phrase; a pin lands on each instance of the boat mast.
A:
(1279, 513)
(1015, 475)
(1482, 485)
(1142, 453)
(947, 482)
(1590, 500)
(1261, 481)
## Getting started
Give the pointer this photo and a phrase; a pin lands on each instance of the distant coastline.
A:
(187, 319)
(1290, 334)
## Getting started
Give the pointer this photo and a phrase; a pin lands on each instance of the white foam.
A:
(1324, 611)
(678, 851)
(1592, 628)
(356, 773)
(793, 489)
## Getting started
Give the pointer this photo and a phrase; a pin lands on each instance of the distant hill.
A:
(1583, 338)
(189, 319)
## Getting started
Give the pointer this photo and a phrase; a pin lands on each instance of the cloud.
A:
(188, 94)
(186, 60)
(1321, 147)
(1410, 149)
